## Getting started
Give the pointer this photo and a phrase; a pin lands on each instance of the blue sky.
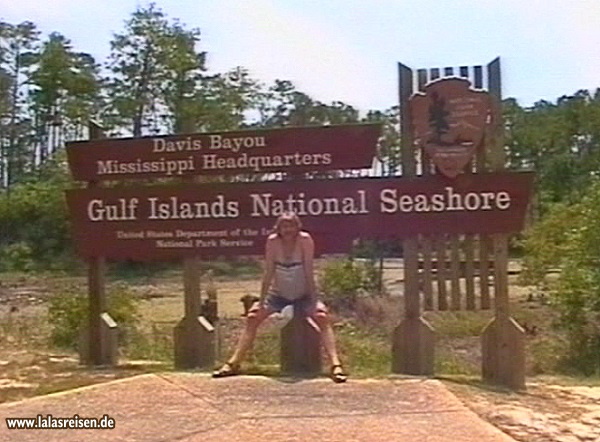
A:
(348, 50)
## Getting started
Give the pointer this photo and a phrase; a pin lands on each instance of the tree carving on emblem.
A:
(449, 120)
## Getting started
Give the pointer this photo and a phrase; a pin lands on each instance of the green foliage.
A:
(569, 239)
(389, 148)
(545, 244)
(63, 95)
(68, 313)
(34, 227)
(154, 64)
(560, 141)
(284, 105)
(17, 42)
(344, 280)
(17, 257)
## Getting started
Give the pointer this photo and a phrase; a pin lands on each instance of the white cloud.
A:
(274, 42)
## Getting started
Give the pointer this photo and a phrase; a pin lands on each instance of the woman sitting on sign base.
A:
(288, 280)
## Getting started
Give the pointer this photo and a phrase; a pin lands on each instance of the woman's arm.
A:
(269, 270)
(308, 256)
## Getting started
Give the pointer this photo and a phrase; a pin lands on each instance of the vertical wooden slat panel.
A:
(448, 72)
(422, 79)
(427, 243)
(469, 272)
(484, 241)
(503, 352)
(500, 247)
(480, 156)
(434, 74)
(427, 166)
(413, 338)
(455, 260)
(497, 155)
(440, 260)
(454, 272)
(478, 73)
(405, 76)
(427, 273)
(484, 287)
(464, 73)
(496, 160)
(412, 306)
(426, 163)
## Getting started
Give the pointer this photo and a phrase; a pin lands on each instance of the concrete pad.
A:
(193, 407)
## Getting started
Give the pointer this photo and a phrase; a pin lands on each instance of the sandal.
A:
(337, 374)
(228, 369)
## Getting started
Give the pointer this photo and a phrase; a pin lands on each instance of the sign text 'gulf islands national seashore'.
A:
(165, 221)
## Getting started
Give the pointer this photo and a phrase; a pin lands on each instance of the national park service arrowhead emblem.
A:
(449, 121)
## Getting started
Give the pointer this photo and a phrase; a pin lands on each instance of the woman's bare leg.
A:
(256, 315)
(321, 317)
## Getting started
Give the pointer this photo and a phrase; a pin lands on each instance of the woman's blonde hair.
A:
(287, 217)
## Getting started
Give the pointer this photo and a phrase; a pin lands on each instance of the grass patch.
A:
(459, 324)
(152, 342)
(366, 354)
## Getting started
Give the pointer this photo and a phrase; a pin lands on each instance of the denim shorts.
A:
(276, 303)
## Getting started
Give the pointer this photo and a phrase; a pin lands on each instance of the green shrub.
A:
(569, 239)
(16, 257)
(68, 313)
(344, 280)
(34, 224)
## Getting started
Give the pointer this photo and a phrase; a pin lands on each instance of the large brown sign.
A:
(297, 149)
(230, 219)
(449, 121)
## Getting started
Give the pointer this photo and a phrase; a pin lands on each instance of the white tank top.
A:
(290, 279)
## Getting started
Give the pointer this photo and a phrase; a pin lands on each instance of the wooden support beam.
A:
(100, 346)
(503, 340)
(413, 339)
(194, 335)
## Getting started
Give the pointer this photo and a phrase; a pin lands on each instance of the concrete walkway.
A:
(190, 407)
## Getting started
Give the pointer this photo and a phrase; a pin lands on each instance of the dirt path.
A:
(547, 412)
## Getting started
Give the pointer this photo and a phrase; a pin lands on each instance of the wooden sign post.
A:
(99, 340)
(413, 341)
(194, 336)
(451, 130)
(503, 339)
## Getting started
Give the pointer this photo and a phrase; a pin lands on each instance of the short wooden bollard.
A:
(413, 346)
(413, 341)
(301, 346)
(503, 353)
(194, 335)
(194, 339)
(109, 332)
